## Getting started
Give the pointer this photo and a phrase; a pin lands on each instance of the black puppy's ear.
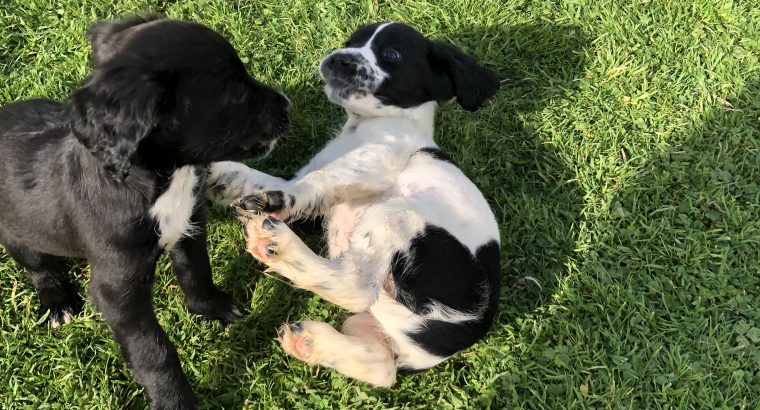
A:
(105, 36)
(472, 84)
(112, 112)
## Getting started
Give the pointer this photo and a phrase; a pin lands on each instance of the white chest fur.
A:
(174, 208)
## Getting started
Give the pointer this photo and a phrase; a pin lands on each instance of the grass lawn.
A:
(622, 159)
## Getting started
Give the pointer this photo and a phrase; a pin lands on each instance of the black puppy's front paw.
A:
(217, 307)
(179, 398)
(62, 308)
(58, 316)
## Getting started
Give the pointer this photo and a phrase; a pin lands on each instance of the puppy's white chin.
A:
(333, 95)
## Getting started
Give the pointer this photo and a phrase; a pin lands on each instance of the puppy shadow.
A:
(528, 186)
(534, 195)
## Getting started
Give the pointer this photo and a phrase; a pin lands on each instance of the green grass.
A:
(622, 160)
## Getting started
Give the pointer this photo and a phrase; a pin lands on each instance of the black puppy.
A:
(116, 175)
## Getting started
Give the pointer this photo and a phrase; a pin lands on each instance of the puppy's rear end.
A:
(463, 286)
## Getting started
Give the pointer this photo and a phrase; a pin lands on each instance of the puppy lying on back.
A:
(413, 245)
(116, 175)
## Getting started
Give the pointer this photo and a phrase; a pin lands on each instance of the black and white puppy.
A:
(413, 245)
(116, 175)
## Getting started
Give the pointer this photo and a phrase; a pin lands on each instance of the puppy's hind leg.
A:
(49, 276)
(272, 242)
(361, 351)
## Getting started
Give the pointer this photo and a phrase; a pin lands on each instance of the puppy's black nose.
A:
(341, 61)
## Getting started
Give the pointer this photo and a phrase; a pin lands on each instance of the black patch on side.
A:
(436, 153)
(408, 371)
(439, 268)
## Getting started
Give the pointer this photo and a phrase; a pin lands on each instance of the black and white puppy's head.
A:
(390, 65)
(167, 93)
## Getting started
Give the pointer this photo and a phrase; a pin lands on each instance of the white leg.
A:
(228, 181)
(361, 351)
(363, 172)
(271, 241)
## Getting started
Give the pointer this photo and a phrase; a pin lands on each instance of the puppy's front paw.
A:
(218, 306)
(270, 202)
(62, 308)
(58, 316)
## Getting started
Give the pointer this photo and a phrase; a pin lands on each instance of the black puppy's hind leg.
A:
(49, 276)
(191, 265)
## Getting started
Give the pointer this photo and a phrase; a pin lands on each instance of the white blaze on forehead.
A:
(377, 31)
(369, 55)
(369, 65)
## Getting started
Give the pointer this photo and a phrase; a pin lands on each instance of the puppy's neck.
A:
(422, 117)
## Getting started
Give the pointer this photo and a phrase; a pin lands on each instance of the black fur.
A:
(436, 153)
(425, 70)
(78, 179)
(437, 267)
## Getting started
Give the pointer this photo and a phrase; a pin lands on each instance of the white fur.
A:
(358, 351)
(377, 192)
(377, 195)
(173, 209)
(228, 181)
(367, 53)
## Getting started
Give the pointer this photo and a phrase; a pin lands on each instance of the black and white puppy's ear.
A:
(472, 84)
(116, 108)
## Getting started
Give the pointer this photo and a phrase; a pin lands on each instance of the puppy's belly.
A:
(340, 225)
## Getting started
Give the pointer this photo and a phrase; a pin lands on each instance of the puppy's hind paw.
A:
(295, 341)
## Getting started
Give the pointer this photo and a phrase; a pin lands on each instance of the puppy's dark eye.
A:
(391, 54)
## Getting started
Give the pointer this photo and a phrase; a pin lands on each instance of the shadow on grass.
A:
(522, 178)
(529, 187)
(681, 251)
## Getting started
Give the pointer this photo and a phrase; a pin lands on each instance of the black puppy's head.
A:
(387, 65)
(167, 93)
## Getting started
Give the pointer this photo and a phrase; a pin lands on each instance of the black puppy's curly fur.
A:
(79, 179)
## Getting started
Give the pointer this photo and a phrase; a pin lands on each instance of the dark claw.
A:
(242, 213)
(254, 203)
(296, 328)
(270, 223)
(272, 249)
(275, 201)
(281, 331)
